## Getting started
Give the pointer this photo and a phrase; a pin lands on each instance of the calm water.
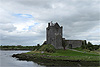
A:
(7, 61)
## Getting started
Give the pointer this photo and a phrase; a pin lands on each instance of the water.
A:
(7, 61)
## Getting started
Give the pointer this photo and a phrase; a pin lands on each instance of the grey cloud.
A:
(77, 17)
(7, 27)
(36, 3)
(20, 40)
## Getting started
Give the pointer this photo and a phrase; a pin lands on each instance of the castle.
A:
(54, 36)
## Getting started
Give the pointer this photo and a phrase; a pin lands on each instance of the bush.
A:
(90, 46)
(48, 48)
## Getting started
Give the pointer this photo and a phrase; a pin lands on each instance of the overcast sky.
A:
(24, 22)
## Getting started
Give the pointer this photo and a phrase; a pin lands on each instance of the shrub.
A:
(48, 48)
(90, 46)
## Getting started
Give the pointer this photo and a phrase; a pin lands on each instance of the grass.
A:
(71, 53)
(62, 57)
(66, 55)
(88, 51)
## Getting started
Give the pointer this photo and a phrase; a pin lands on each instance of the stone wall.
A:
(54, 35)
(74, 43)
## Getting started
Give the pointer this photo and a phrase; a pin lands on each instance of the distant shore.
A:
(15, 49)
(19, 47)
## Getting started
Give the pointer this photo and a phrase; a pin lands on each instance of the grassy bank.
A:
(65, 55)
(61, 58)
(48, 55)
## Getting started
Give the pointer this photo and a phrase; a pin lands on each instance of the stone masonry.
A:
(54, 37)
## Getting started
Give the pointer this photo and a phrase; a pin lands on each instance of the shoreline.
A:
(32, 56)
(15, 49)
(43, 59)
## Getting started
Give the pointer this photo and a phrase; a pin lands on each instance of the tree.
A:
(90, 46)
(38, 45)
(95, 47)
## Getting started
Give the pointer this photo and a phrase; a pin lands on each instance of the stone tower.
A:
(54, 35)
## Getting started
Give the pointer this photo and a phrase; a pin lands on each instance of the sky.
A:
(24, 22)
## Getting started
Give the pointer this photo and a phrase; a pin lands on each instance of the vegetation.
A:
(60, 59)
(90, 46)
(63, 55)
(18, 47)
(48, 48)
(88, 51)
(51, 53)
(48, 55)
